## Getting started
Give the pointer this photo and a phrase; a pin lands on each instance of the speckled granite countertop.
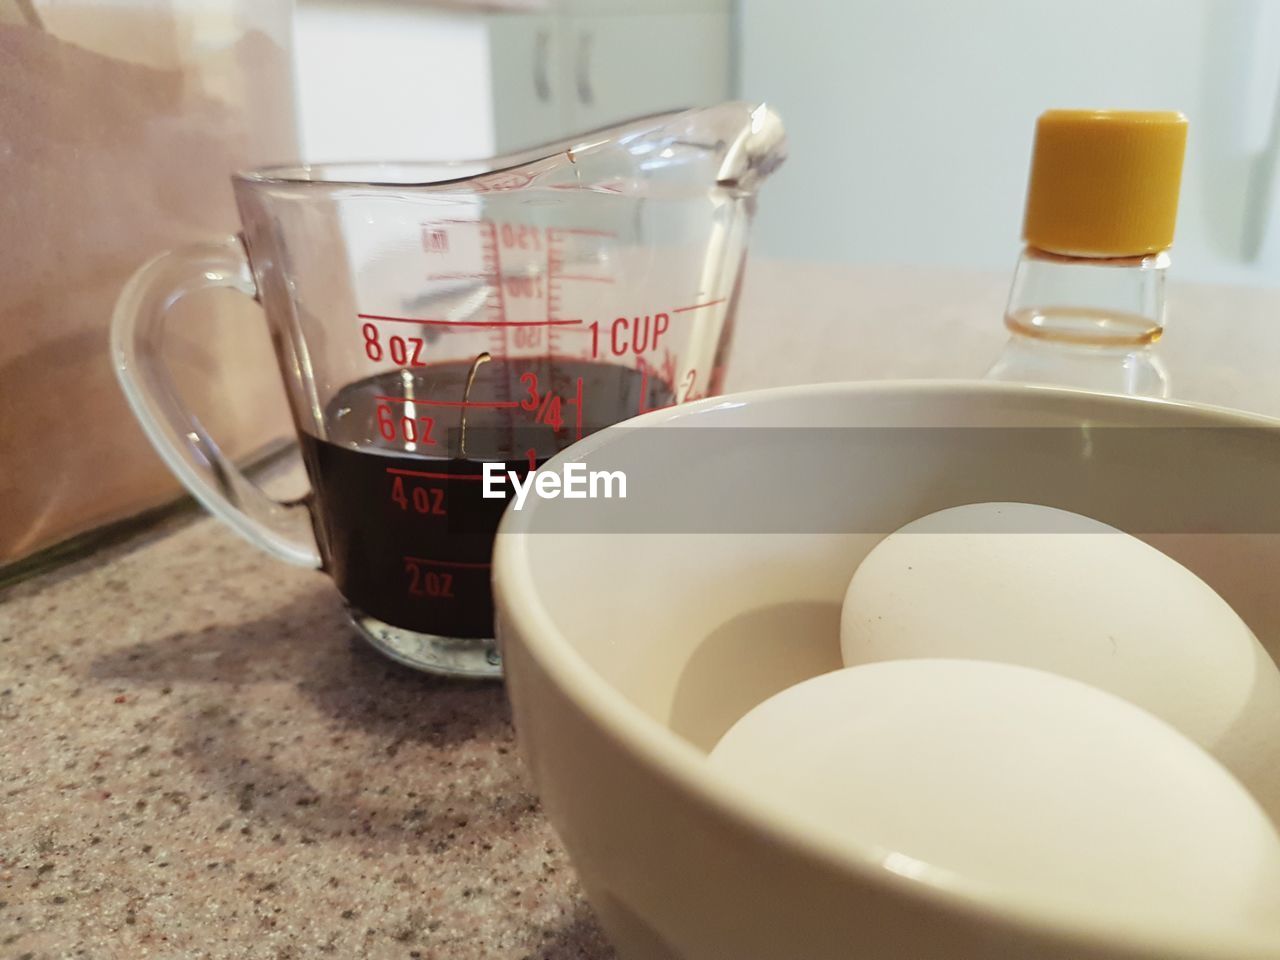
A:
(199, 759)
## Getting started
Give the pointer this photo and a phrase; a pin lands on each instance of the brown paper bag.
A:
(104, 162)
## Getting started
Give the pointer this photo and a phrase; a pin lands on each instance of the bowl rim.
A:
(683, 765)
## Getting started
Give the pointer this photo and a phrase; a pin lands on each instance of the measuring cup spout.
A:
(755, 143)
(732, 146)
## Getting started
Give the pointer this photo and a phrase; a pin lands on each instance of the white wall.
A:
(391, 81)
(911, 121)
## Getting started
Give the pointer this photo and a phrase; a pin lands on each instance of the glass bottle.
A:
(1087, 301)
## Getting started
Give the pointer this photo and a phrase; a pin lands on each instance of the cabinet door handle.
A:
(586, 95)
(541, 63)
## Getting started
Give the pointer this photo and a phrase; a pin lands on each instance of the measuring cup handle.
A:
(282, 529)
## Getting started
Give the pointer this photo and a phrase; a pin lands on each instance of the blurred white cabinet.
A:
(397, 79)
(617, 66)
(394, 81)
(588, 65)
(527, 91)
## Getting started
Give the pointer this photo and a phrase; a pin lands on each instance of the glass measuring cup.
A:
(430, 318)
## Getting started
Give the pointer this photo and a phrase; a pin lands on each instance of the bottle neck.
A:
(1088, 302)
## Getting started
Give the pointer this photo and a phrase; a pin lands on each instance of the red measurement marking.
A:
(448, 563)
(549, 412)
(578, 404)
(409, 429)
(434, 476)
(497, 303)
(530, 381)
(526, 339)
(635, 335)
(470, 323)
(424, 499)
(644, 384)
(647, 371)
(428, 584)
(404, 351)
(698, 306)
(690, 380)
(451, 403)
(545, 407)
(669, 371)
(554, 263)
(521, 235)
(565, 276)
(524, 287)
(434, 240)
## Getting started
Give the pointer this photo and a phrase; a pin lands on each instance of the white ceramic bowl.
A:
(628, 653)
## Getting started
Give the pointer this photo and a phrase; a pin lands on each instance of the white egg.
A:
(1025, 785)
(1045, 588)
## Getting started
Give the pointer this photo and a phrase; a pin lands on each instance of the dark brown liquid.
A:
(403, 527)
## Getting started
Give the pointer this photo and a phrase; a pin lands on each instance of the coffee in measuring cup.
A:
(402, 523)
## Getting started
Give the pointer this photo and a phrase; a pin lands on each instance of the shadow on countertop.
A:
(366, 712)
(304, 735)
(577, 937)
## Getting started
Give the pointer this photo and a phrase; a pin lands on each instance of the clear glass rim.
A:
(345, 173)
(438, 173)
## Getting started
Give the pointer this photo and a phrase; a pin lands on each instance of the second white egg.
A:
(1026, 584)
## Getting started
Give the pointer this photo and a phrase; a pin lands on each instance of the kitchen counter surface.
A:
(200, 760)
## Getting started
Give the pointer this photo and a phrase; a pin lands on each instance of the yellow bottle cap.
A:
(1104, 183)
